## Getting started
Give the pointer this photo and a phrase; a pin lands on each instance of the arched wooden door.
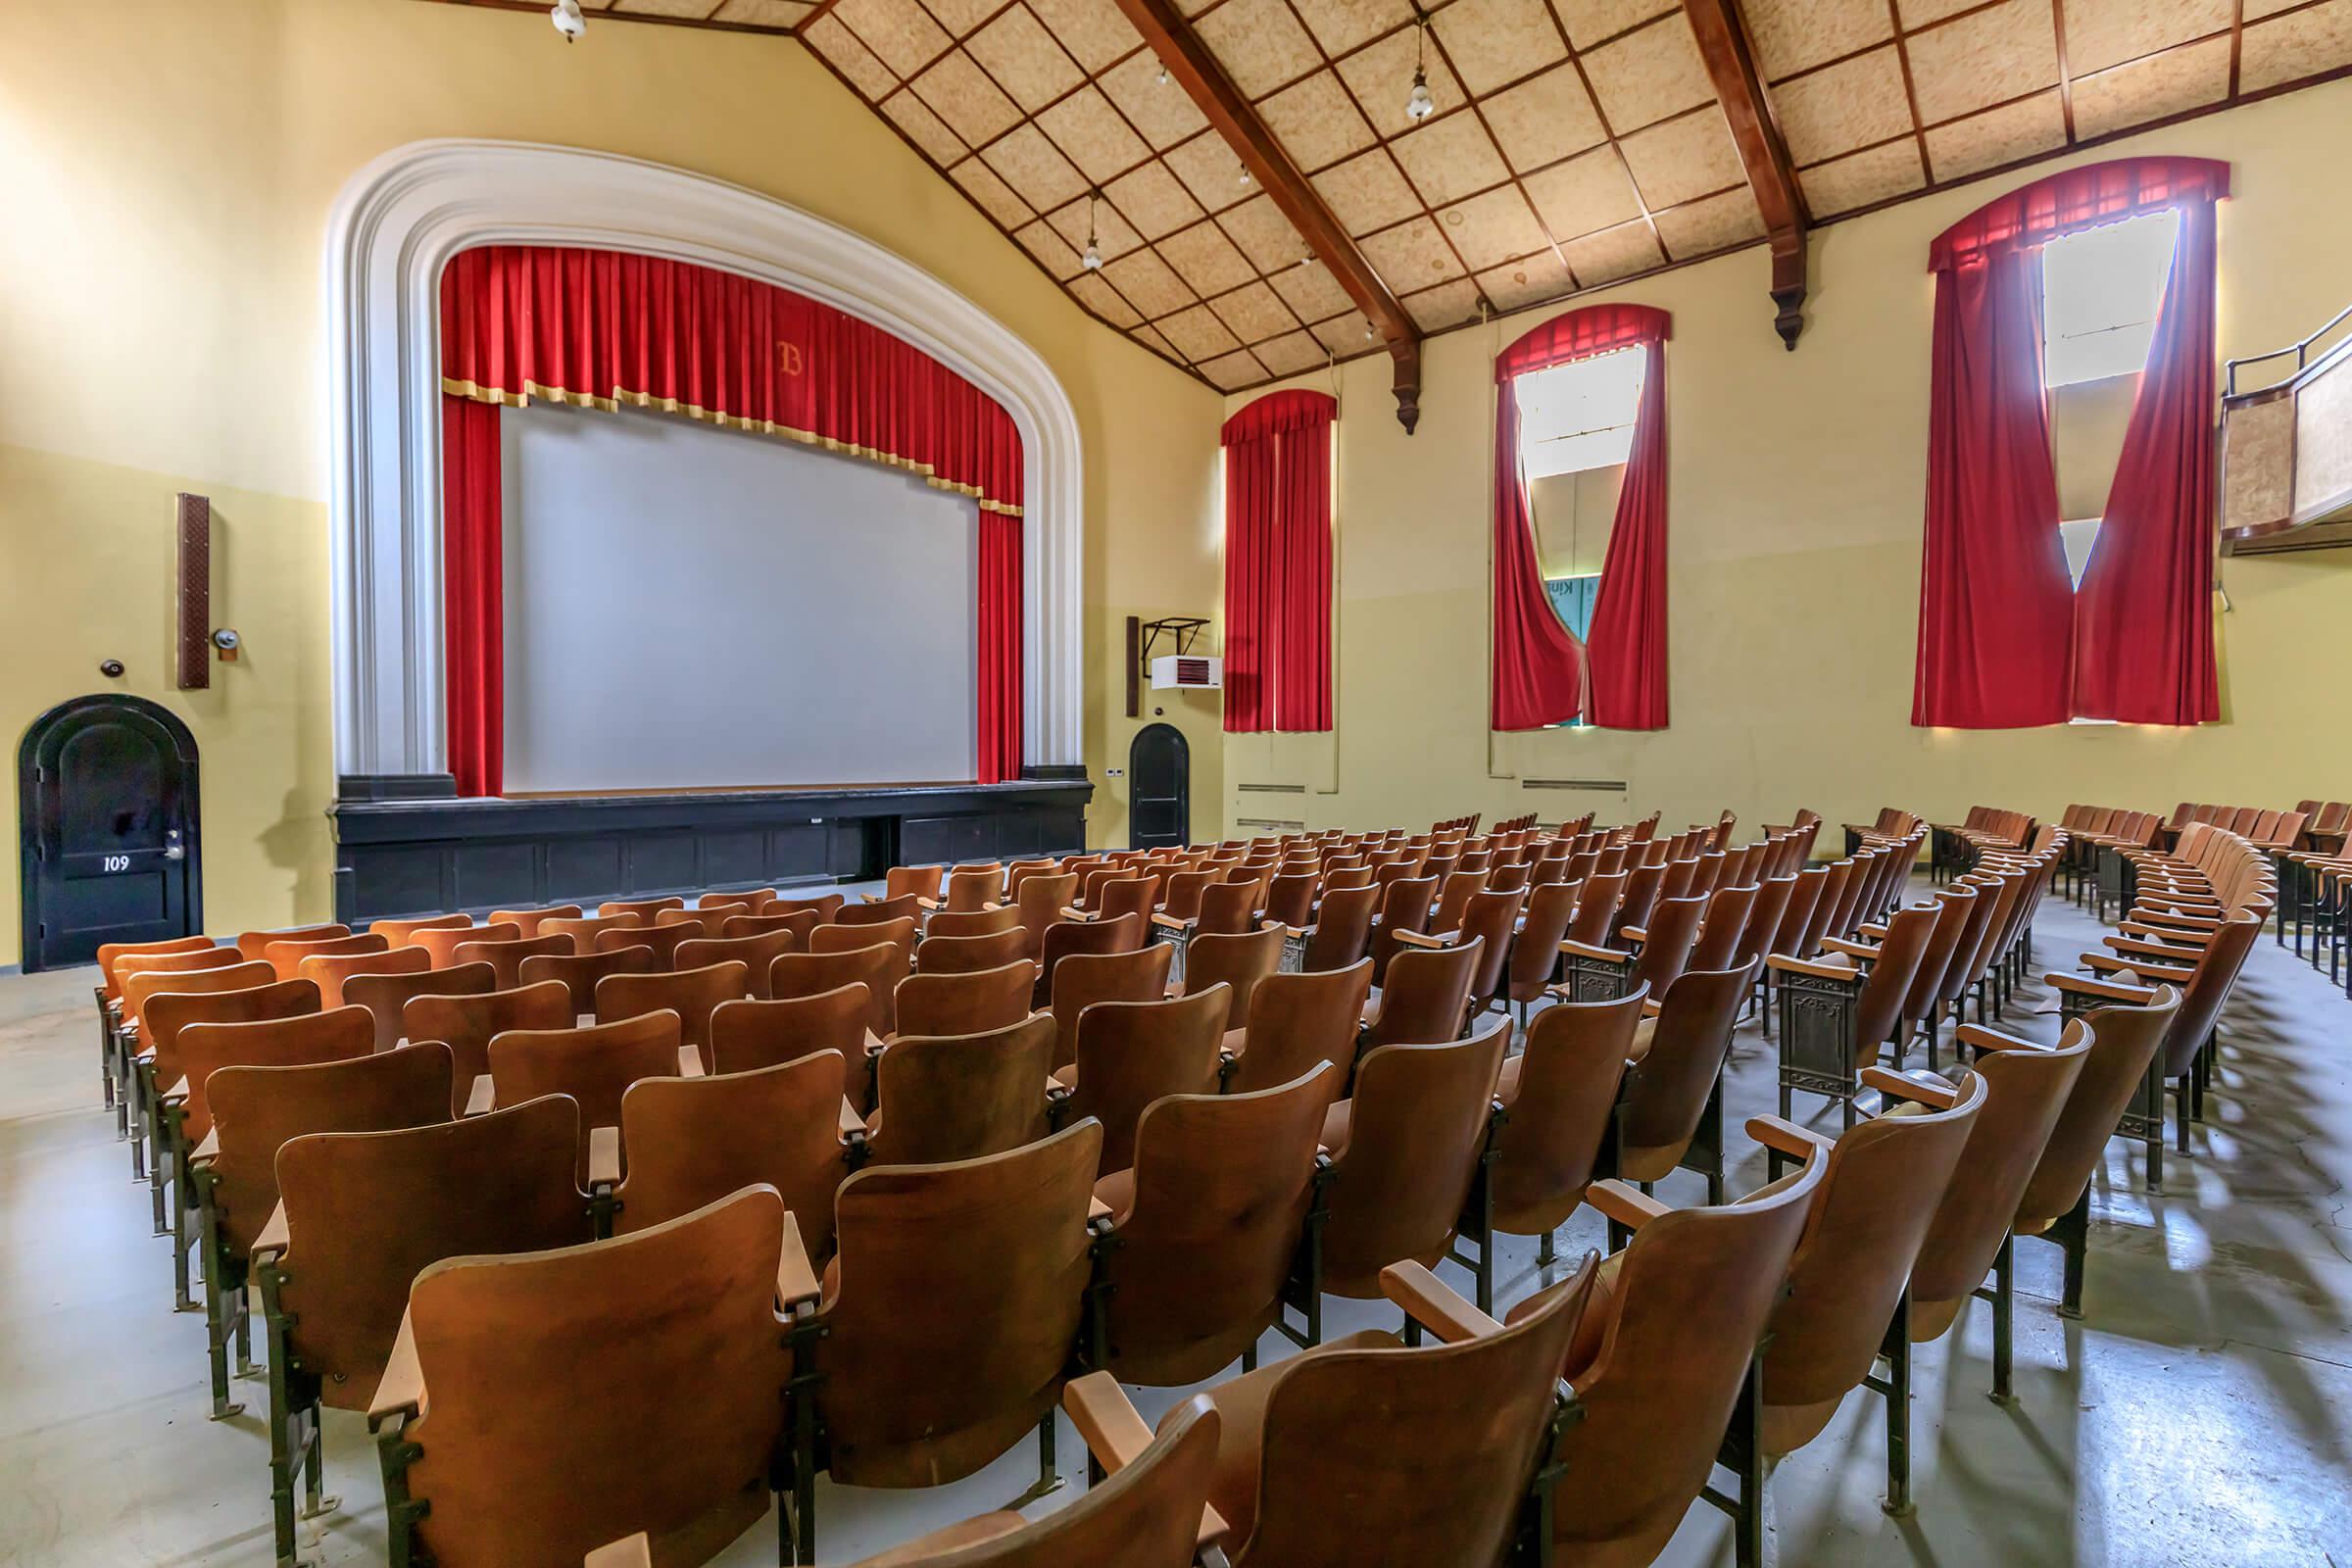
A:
(106, 788)
(1159, 785)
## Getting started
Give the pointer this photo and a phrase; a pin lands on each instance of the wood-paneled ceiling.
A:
(1574, 142)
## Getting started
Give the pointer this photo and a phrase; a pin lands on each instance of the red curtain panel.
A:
(1278, 564)
(2143, 620)
(472, 594)
(1626, 647)
(999, 653)
(1539, 669)
(609, 329)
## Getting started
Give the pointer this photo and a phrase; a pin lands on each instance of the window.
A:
(2078, 535)
(1580, 415)
(2101, 292)
(1573, 597)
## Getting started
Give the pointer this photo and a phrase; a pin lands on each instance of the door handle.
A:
(173, 850)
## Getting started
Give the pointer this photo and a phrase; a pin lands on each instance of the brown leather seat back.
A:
(1296, 1021)
(692, 1140)
(692, 993)
(958, 1303)
(965, 1004)
(974, 923)
(664, 940)
(2123, 1040)
(1723, 927)
(1218, 1197)
(1240, 961)
(1668, 1088)
(1082, 979)
(386, 997)
(1561, 1092)
(943, 1098)
(594, 1064)
(580, 973)
(952, 954)
(1674, 1329)
(1417, 1120)
(1425, 994)
(465, 1024)
(1342, 928)
(2025, 1091)
(576, 1395)
(1597, 903)
(747, 1035)
(878, 969)
(1131, 1053)
(1883, 1185)
(328, 970)
(1372, 1453)
(297, 1037)
(506, 958)
(368, 1211)
(285, 957)
(255, 1110)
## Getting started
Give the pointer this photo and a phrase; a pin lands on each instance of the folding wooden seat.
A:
(879, 968)
(907, 907)
(506, 958)
(691, 1140)
(1535, 948)
(1597, 900)
(594, 1064)
(285, 957)
(961, 1290)
(528, 921)
(585, 931)
(1559, 1095)
(1665, 1369)
(1131, 1053)
(2056, 1203)
(706, 922)
(1240, 961)
(643, 909)
(1124, 897)
(959, 923)
(1340, 934)
(466, 1023)
(1658, 951)
(501, 1459)
(254, 946)
(826, 905)
(386, 993)
(578, 973)
(360, 1215)
(909, 882)
(144, 977)
(945, 1097)
(1425, 997)
(1682, 878)
(1937, 982)
(1148, 1514)
(1723, 926)
(1490, 919)
(233, 1171)
(971, 1002)
(1643, 885)
(1083, 979)
(442, 940)
(1835, 1018)
(970, 889)
(397, 933)
(841, 938)
(749, 1035)
(270, 1026)
(2025, 1087)
(1453, 898)
(1408, 1147)
(1404, 906)
(662, 941)
(109, 996)
(1294, 1021)
(692, 993)
(328, 971)
(753, 952)
(945, 955)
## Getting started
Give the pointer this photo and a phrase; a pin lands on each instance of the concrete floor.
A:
(2198, 1414)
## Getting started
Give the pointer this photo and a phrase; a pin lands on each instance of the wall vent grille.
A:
(1273, 789)
(1603, 786)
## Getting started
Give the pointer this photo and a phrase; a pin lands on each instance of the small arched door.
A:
(106, 787)
(1160, 787)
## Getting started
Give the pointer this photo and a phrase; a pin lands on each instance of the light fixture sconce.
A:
(565, 15)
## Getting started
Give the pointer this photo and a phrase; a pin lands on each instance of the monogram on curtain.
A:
(608, 330)
(1539, 672)
(1278, 564)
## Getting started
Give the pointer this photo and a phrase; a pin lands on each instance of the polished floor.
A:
(2200, 1413)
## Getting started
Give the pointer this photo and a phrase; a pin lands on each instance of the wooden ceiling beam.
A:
(1731, 64)
(1204, 81)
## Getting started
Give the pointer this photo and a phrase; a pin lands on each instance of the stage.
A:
(407, 845)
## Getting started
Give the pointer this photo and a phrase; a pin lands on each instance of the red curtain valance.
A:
(1581, 334)
(2078, 198)
(1279, 414)
(609, 328)
(1278, 562)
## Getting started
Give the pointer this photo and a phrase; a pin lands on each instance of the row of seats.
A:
(983, 1176)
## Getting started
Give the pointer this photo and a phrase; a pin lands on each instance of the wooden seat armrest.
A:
(1638, 935)
(1106, 1420)
(1296, 933)
(1786, 1137)
(1423, 938)
(1918, 1085)
(1813, 967)
(482, 1097)
(690, 1061)
(1873, 930)
(177, 1092)
(2164, 951)
(2174, 936)
(603, 1156)
(210, 1149)
(2172, 919)
(1652, 1007)
(871, 897)
(2084, 985)
(400, 1391)
(849, 1122)
(1984, 1039)
(1071, 911)
(1580, 950)
(275, 1238)
(1429, 1302)
(874, 1044)
(796, 1280)
(1172, 922)
(2108, 963)
(929, 904)
(1852, 950)
(992, 906)
(1097, 1212)
(1628, 1207)
(635, 1552)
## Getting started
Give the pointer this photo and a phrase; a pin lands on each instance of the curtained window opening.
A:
(1576, 430)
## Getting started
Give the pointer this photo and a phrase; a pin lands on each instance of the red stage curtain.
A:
(2143, 620)
(1626, 648)
(472, 590)
(1278, 564)
(1995, 604)
(1539, 669)
(999, 661)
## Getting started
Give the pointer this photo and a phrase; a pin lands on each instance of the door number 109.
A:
(114, 862)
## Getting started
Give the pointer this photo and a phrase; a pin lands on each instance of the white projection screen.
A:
(695, 608)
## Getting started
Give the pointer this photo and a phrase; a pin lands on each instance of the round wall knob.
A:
(110, 668)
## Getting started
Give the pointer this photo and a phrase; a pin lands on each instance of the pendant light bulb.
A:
(565, 15)
(1163, 76)
(1091, 261)
(1420, 105)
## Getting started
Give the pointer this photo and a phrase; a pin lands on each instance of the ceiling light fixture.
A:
(1418, 104)
(1092, 259)
(565, 15)
(1245, 176)
(1163, 76)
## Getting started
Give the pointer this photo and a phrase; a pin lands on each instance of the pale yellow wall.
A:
(166, 170)
(1795, 487)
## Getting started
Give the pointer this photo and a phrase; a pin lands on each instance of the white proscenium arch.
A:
(397, 224)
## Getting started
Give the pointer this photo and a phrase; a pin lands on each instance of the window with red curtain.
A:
(1617, 677)
(611, 328)
(2005, 640)
(1278, 564)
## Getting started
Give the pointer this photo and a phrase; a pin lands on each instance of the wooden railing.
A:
(2287, 449)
